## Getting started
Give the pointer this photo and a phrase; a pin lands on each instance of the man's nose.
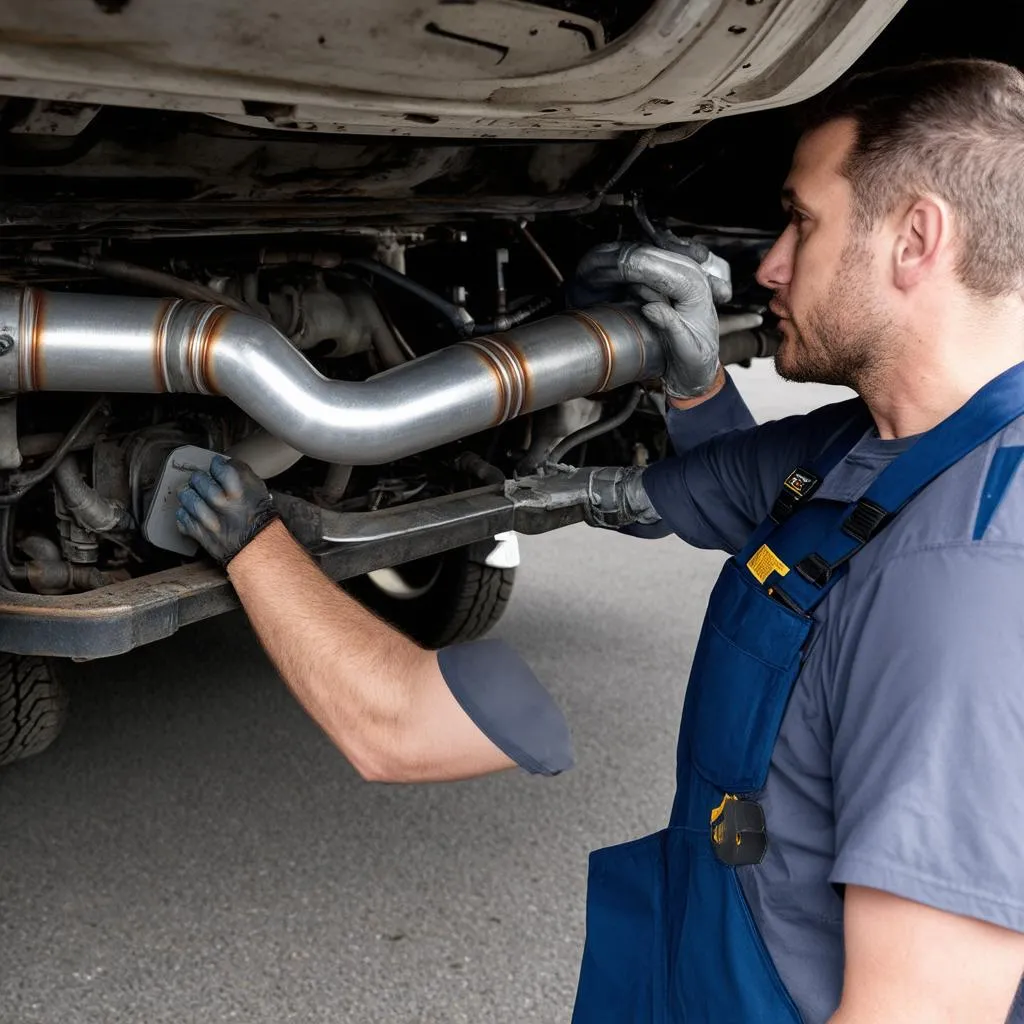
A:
(776, 269)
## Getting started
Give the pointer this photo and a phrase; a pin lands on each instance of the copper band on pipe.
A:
(163, 381)
(508, 373)
(501, 382)
(516, 373)
(607, 349)
(198, 345)
(30, 330)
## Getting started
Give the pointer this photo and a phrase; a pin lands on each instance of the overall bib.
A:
(670, 937)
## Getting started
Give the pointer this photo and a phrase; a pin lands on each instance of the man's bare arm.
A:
(907, 963)
(380, 698)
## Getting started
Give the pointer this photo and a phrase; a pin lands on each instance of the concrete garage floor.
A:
(193, 849)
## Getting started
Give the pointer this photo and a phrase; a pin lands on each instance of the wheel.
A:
(33, 706)
(445, 599)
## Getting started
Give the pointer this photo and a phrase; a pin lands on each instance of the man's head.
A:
(906, 192)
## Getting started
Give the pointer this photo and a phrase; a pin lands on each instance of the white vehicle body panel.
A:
(483, 69)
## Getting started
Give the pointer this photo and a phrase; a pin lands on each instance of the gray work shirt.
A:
(900, 760)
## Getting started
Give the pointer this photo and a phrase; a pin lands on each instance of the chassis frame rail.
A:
(117, 618)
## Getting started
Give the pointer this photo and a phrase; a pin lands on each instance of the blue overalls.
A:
(670, 937)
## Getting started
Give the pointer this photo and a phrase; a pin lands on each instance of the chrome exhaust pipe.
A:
(52, 341)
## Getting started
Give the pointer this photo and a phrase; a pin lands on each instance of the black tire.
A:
(451, 598)
(33, 706)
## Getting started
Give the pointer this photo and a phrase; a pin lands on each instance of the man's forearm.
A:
(355, 675)
(382, 699)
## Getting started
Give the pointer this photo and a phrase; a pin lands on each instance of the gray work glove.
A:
(677, 302)
(611, 496)
(225, 509)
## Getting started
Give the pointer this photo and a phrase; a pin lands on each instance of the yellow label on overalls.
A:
(764, 562)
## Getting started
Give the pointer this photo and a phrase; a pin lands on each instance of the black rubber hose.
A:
(739, 346)
(8, 570)
(455, 315)
(593, 430)
(24, 482)
(666, 239)
(509, 320)
(88, 507)
(470, 462)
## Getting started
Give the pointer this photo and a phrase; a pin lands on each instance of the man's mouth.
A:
(780, 311)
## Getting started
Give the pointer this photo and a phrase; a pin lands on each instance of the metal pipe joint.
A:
(74, 342)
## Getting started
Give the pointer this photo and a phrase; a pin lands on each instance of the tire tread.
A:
(484, 596)
(33, 706)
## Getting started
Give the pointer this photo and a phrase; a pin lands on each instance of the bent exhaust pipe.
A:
(51, 341)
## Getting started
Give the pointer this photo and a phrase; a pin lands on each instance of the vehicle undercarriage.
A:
(374, 309)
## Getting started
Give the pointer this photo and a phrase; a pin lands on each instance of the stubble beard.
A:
(842, 339)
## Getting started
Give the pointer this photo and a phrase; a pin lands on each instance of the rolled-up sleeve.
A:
(501, 694)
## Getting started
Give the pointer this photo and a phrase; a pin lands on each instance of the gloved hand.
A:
(677, 302)
(611, 496)
(225, 509)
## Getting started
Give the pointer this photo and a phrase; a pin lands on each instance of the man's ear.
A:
(923, 240)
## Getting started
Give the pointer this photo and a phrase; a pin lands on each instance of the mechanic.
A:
(847, 840)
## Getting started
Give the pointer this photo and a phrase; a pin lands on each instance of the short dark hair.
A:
(952, 128)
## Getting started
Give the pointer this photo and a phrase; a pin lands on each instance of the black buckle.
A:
(784, 507)
(738, 834)
(797, 487)
(865, 521)
(815, 570)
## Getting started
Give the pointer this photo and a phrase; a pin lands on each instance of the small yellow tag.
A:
(764, 562)
(717, 822)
